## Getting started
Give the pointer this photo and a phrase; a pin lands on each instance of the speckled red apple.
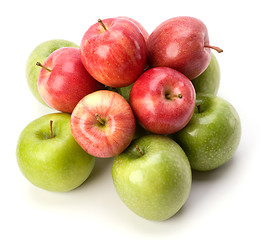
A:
(181, 43)
(163, 100)
(63, 80)
(114, 52)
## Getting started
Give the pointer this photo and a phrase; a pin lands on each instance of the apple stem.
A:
(219, 50)
(40, 65)
(198, 107)
(51, 128)
(171, 96)
(102, 24)
(139, 151)
(99, 119)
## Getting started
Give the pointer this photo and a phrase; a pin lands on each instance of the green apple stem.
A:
(198, 107)
(139, 151)
(51, 129)
(102, 24)
(171, 96)
(219, 50)
(99, 119)
(40, 65)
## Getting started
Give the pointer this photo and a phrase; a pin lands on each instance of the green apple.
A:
(125, 91)
(209, 80)
(152, 177)
(49, 157)
(213, 134)
(39, 54)
(140, 131)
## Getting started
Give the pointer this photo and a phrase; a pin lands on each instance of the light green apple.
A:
(213, 134)
(49, 157)
(125, 91)
(209, 80)
(39, 54)
(153, 177)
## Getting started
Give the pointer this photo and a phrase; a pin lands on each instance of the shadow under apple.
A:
(101, 169)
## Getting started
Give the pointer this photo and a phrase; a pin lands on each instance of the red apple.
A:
(163, 100)
(181, 43)
(141, 28)
(103, 123)
(63, 81)
(114, 52)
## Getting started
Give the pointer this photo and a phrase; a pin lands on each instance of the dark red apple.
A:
(139, 25)
(63, 81)
(114, 52)
(163, 100)
(103, 123)
(181, 43)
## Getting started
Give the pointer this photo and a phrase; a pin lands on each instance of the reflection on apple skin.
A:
(213, 134)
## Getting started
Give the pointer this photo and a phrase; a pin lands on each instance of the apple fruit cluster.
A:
(148, 101)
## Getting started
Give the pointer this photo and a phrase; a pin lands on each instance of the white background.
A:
(236, 201)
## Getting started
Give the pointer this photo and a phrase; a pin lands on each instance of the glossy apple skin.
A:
(153, 110)
(212, 136)
(179, 43)
(68, 82)
(111, 138)
(116, 56)
(139, 25)
(156, 185)
(209, 80)
(39, 54)
(55, 164)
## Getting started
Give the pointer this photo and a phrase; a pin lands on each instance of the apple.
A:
(125, 91)
(141, 28)
(49, 157)
(103, 123)
(153, 177)
(39, 54)
(162, 100)
(181, 43)
(114, 52)
(63, 80)
(209, 80)
(213, 134)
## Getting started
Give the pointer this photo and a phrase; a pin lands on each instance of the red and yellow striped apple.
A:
(103, 123)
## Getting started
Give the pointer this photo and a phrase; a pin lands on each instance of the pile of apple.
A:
(147, 101)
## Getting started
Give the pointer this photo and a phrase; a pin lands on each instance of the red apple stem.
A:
(40, 65)
(139, 151)
(102, 24)
(219, 50)
(99, 119)
(51, 128)
(171, 96)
